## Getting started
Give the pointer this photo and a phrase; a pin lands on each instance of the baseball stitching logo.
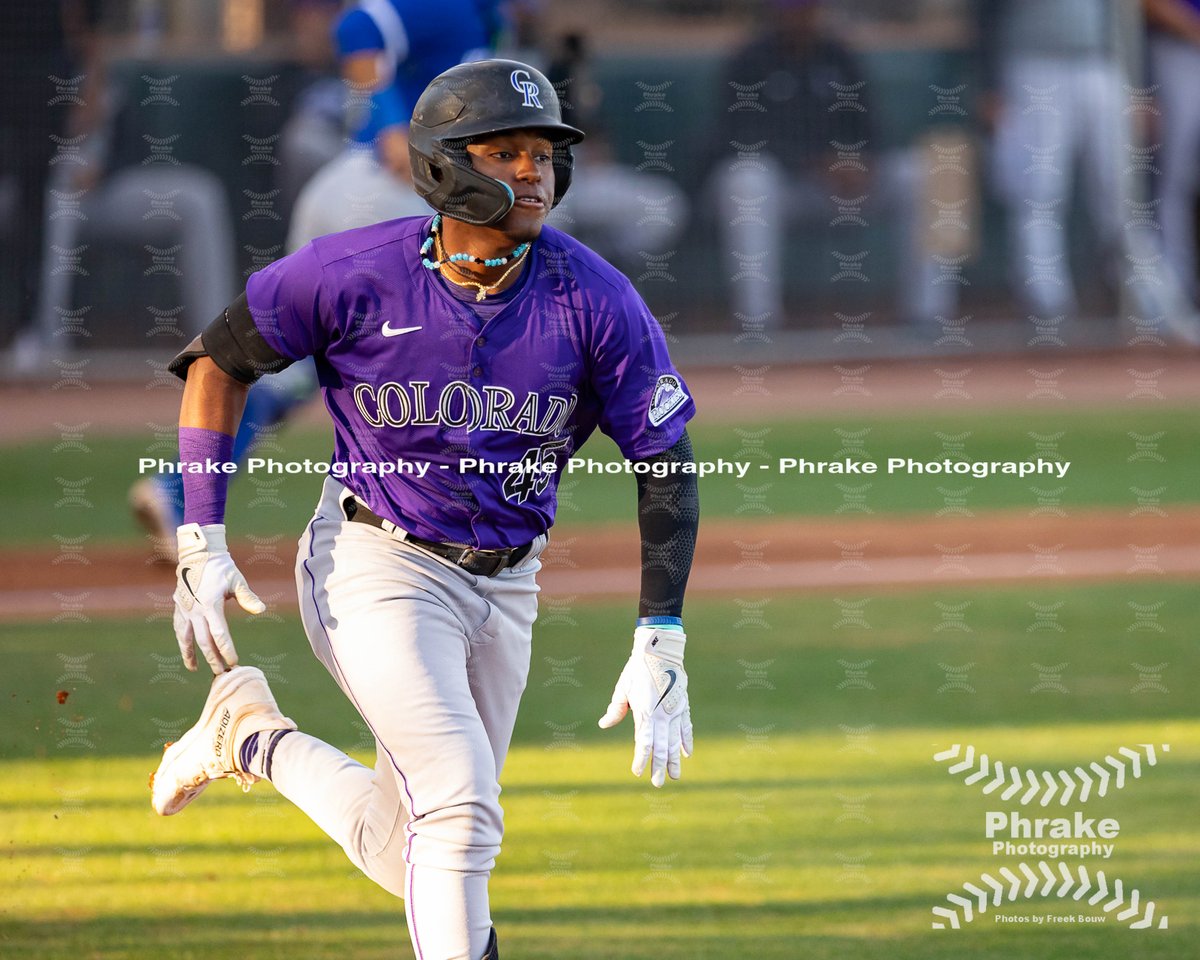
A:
(1057, 879)
(975, 899)
(1044, 783)
(527, 88)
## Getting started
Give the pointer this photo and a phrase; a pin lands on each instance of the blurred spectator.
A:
(620, 212)
(801, 127)
(1175, 67)
(47, 77)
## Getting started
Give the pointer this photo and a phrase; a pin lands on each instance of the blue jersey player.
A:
(388, 51)
(486, 348)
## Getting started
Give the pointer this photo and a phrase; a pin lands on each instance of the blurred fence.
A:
(661, 117)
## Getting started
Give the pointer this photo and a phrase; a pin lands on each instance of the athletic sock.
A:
(257, 750)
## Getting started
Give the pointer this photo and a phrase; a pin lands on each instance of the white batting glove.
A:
(653, 686)
(205, 578)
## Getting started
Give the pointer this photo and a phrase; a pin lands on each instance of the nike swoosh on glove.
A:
(204, 579)
(653, 686)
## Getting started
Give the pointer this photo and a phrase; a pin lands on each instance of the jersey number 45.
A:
(532, 474)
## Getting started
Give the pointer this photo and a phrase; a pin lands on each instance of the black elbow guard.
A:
(234, 344)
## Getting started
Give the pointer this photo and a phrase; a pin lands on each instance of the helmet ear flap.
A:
(564, 167)
(463, 192)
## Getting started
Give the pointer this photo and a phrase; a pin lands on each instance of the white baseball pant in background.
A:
(1060, 115)
(352, 190)
(1176, 65)
(757, 200)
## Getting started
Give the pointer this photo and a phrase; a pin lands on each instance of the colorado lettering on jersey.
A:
(460, 405)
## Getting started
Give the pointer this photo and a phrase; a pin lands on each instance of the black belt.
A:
(480, 563)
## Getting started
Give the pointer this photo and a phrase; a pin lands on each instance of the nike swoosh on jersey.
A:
(389, 331)
(670, 673)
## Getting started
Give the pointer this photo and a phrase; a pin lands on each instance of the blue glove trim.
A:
(666, 623)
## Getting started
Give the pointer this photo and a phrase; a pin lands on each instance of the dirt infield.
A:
(728, 395)
(734, 558)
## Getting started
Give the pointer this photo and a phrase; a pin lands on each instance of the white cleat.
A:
(156, 516)
(239, 704)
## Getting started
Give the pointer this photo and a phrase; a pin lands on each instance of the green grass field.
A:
(1098, 443)
(812, 821)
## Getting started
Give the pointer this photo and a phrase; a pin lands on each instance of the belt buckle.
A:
(485, 563)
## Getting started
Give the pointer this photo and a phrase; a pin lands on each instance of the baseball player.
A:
(1174, 49)
(474, 350)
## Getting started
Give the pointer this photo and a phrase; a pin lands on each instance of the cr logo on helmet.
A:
(527, 88)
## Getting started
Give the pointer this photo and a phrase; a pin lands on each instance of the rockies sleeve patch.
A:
(668, 396)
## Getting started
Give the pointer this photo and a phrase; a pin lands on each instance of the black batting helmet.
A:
(474, 100)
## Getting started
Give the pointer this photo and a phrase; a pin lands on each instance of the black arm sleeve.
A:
(668, 517)
(234, 344)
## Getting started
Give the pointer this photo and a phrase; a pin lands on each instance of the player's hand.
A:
(653, 686)
(205, 578)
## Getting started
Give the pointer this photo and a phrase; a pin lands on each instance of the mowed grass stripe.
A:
(44, 490)
(1035, 653)
(751, 851)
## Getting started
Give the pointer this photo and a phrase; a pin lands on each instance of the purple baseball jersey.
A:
(410, 373)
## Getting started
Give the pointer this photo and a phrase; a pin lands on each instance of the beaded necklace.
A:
(434, 241)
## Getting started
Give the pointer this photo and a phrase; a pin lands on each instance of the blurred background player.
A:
(619, 211)
(1175, 72)
(110, 197)
(795, 71)
(1057, 84)
(1054, 97)
(388, 51)
(49, 92)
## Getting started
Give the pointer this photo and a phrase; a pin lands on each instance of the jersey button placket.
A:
(477, 367)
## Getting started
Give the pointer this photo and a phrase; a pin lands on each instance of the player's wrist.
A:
(665, 641)
(205, 490)
(195, 537)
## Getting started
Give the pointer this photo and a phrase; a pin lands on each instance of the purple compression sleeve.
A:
(204, 491)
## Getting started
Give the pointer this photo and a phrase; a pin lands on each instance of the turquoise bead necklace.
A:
(434, 242)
